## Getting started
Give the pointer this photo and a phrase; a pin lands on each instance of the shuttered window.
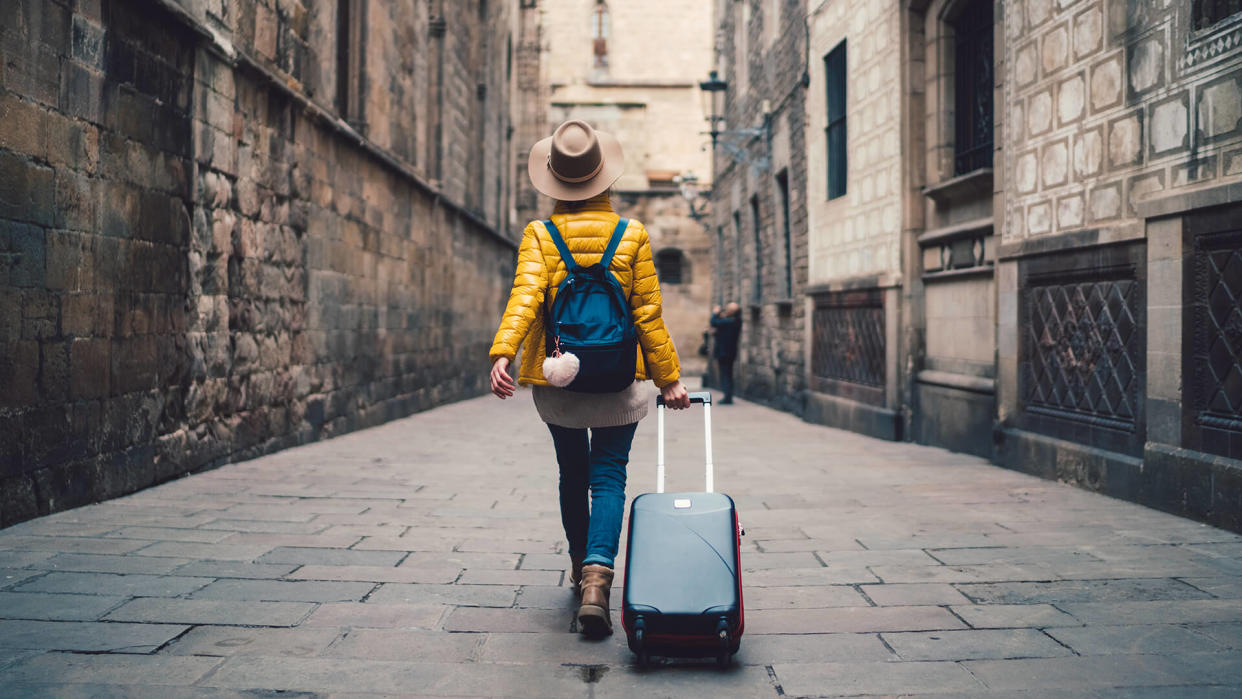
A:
(834, 70)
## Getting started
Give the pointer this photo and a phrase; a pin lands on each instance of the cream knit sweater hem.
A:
(571, 409)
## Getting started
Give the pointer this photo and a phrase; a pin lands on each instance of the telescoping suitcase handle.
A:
(703, 397)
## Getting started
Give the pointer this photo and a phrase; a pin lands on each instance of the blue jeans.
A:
(596, 465)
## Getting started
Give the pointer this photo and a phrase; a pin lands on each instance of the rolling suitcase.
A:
(683, 578)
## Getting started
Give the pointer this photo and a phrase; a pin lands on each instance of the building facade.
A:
(759, 209)
(1120, 329)
(1022, 231)
(632, 68)
(232, 227)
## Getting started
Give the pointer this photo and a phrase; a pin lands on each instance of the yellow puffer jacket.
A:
(586, 227)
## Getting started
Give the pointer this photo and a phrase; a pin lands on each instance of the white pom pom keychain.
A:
(560, 369)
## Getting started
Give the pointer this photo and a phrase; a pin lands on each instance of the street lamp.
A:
(688, 185)
(713, 92)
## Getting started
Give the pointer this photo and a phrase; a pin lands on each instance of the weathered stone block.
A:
(1056, 49)
(90, 367)
(1220, 108)
(22, 254)
(25, 126)
(19, 374)
(1125, 140)
(26, 190)
(1106, 84)
(1146, 63)
(1088, 31)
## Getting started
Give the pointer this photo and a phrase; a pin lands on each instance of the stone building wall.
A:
(1116, 104)
(1118, 363)
(761, 53)
(855, 239)
(203, 258)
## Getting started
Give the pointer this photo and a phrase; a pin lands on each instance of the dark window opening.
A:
(1209, 12)
(342, 57)
(782, 184)
(737, 255)
(671, 266)
(834, 70)
(754, 217)
(973, 88)
(349, 62)
(599, 33)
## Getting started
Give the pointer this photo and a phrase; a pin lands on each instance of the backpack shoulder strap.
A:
(611, 250)
(561, 247)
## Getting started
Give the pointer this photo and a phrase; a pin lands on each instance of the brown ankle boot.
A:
(593, 616)
(575, 573)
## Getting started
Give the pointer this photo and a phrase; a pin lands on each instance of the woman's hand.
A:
(502, 384)
(675, 396)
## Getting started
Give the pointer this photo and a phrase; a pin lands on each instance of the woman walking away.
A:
(584, 254)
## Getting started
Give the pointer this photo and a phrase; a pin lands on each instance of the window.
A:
(599, 32)
(754, 217)
(737, 255)
(670, 265)
(973, 85)
(349, 59)
(834, 72)
(1209, 12)
(782, 184)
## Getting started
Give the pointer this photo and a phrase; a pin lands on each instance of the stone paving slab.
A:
(201, 611)
(142, 670)
(97, 563)
(227, 641)
(847, 679)
(974, 644)
(375, 615)
(285, 590)
(1136, 640)
(137, 585)
(87, 636)
(56, 607)
(414, 559)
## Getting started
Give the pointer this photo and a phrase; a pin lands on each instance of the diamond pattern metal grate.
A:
(1084, 343)
(1216, 356)
(847, 342)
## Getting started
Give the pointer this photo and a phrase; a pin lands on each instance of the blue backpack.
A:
(590, 318)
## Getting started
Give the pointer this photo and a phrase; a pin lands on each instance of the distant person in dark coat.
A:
(728, 327)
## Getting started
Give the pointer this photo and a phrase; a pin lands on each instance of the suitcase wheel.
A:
(725, 655)
(640, 638)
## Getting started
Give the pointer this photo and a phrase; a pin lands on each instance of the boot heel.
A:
(594, 621)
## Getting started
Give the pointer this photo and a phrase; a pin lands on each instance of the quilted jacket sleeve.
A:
(659, 353)
(525, 299)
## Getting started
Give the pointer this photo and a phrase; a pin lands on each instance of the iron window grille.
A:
(848, 338)
(973, 86)
(834, 71)
(1213, 344)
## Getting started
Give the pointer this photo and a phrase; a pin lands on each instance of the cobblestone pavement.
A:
(425, 557)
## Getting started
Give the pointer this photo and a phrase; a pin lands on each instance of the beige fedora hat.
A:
(576, 162)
